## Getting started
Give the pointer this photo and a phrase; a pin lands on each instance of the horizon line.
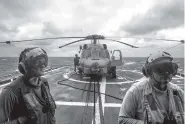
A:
(73, 56)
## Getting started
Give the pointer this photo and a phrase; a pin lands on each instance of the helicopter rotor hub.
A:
(95, 37)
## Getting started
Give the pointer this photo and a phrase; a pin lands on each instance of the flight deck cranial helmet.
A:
(160, 63)
(29, 59)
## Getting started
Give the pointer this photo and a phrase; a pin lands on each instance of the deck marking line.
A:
(59, 103)
(78, 81)
(102, 90)
(179, 76)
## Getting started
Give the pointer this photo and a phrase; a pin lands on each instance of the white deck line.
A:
(179, 76)
(87, 82)
(60, 103)
(73, 103)
(97, 112)
(56, 69)
(102, 90)
(112, 105)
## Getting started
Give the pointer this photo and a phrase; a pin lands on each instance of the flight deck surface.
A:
(75, 106)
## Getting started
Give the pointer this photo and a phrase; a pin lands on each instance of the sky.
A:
(28, 19)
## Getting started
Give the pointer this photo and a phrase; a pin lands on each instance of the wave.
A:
(3, 59)
(130, 63)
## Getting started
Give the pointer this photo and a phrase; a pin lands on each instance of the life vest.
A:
(39, 111)
(152, 108)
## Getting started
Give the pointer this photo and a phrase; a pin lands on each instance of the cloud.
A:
(34, 19)
(164, 15)
(22, 9)
(15, 15)
(6, 29)
(51, 29)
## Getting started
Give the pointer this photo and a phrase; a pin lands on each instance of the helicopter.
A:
(92, 57)
(95, 58)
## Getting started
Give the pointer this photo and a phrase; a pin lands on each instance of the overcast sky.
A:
(27, 19)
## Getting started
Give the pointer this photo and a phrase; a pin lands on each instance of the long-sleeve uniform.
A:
(18, 100)
(7, 102)
(76, 62)
(143, 104)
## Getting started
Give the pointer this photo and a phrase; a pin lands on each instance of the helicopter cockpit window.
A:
(95, 53)
(86, 54)
(104, 54)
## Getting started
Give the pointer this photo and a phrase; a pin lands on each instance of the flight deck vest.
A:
(152, 107)
(38, 110)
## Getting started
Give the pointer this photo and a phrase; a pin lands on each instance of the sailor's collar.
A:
(149, 88)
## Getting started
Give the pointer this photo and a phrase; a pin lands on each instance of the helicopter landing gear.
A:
(113, 71)
(80, 71)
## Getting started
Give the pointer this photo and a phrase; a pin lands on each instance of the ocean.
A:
(8, 65)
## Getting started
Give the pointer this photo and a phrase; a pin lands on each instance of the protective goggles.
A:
(164, 68)
(40, 62)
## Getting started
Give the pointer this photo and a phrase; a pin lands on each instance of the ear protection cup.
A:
(146, 70)
(22, 68)
(176, 67)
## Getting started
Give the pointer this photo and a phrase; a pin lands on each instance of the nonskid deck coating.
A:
(71, 103)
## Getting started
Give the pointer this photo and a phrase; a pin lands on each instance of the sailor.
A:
(28, 100)
(112, 58)
(76, 62)
(154, 100)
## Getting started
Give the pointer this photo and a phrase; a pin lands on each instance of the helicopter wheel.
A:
(80, 71)
(114, 72)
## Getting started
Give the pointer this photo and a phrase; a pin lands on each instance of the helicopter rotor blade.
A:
(8, 42)
(73, 42)
(122, 43)
(182, 41)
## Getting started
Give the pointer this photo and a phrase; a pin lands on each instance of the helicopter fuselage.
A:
(95, 59)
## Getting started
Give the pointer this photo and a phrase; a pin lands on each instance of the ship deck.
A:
(77, 106)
